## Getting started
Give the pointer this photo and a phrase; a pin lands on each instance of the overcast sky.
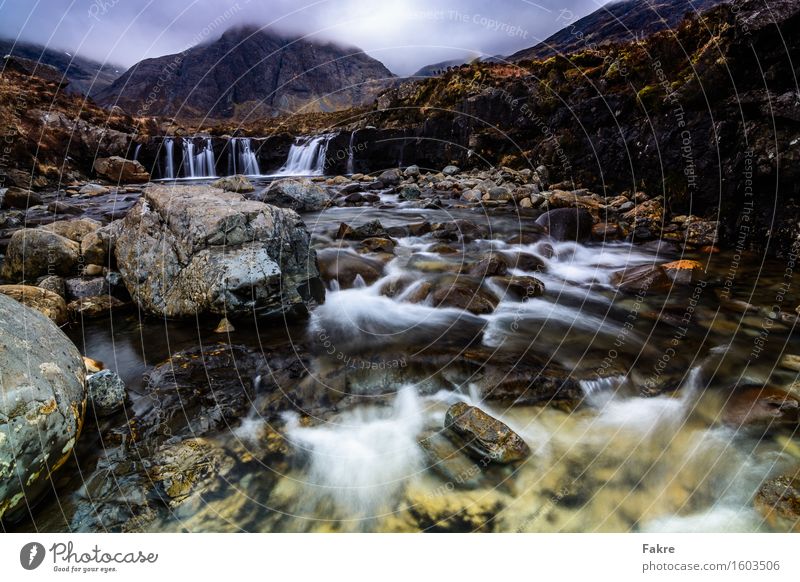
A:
(403, 34)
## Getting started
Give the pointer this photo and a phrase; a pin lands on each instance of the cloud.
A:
(403, 34)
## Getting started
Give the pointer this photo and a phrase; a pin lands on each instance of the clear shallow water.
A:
(617, 462)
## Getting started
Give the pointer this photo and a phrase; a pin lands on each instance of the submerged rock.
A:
(192, 249)
(345, 266)
(485, 436)
(465, 294)
(573, 224)
(763, 408)
(42, 404)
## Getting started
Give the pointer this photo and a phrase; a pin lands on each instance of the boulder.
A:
(371, 229)
(484, 436)
(390, 177)
(97, 246)
(521, 288)
(19, 198)
(121, 171)
(684, 272)
(192, 249)
(94, 306)
(42, 405)
(345, 266)
(762, 408)
(778, 500)
(236, 183)
(93, 190)
(300, 195)
(106, 392)
(702, 233)
(411, 171)
(573, 224)
(642, 279)
(79, 287)
(42, 300)
(464, 293)
(54, 284)
(75, 229)
(409, 192)
(450, 170)
(35, 252)
(63, 207)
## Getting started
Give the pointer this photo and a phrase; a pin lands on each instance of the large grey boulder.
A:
(300, 195)
(42, 404)
(184, 250)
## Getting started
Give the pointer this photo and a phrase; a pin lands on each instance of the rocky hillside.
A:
(623, 21)
(682, 115)
(246, 74)
(85, 76)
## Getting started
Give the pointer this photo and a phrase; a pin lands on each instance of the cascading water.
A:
(351, 155)
(136, 152)
(307, 156)
(169, 161)
(241, 157)
(201, 164)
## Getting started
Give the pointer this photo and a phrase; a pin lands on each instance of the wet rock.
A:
(606, 231)
(641, 279)
(472, 195)
(450, 170)
(34, 252)
(93, 190)
(523, 262)
(649, 214)
(46, 302)
(188, 469)
(78, 287)
(390, 177)
(371, 229)
(684, 272)
(450, 462)
(463, 293)
(460, 230)
(485, 436)
(345, 266)
(378, 245)
(411, 172)
(54, 284)
(573, 199)
(497, 193)
(761, 408)
(19, 198)
(236, 183)
(61, 207)
(224, 326)
(97, 306)
(121, 171)
(702, 233)
(300, 195)
(92, 366)
(489, 266)
(409, 192)
(42, 404)
(75, 229)
(574, 224)
(352, 188)
(107, 392)
(519, 287)
(778, 500)
(97, 247)
(187, 250)
(92, 270)
(446, 511)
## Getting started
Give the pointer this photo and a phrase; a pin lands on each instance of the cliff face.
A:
(707, 115)
(624, 21)
(246, 74)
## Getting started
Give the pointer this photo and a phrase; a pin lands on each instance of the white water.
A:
(351, 155)
(241, 157)
(136, 152)
(201, 164)
(307, 156)
(169, 162)
(364, 456)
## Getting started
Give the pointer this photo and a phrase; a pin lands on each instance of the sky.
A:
(403, 34)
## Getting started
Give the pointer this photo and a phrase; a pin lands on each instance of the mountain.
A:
(85, 76)
(622, 21)
(436, 69)
(249, 73)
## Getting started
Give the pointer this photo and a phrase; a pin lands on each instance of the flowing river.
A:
(649, 437)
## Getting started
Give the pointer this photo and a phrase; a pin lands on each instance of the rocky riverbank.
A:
(448, 321)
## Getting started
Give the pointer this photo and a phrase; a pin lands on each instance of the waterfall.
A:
(307, 156)
(136, 152)
(169, 168)
(350, 155)
(188, 157)
(241, 157)
(201, 164)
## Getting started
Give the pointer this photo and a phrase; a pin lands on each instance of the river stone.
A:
(93, 190)
(106, 392)
(80, 287)
(74, 229)
(409, 192)
(411, 171)
(46, 302)
(237, 183)
(42, 405)
(762, 408)
(778, 500)
(345, 266)
(35, 252)
(19, 198)
(574, 224)
(97, 246)
(120, 170)
(300, 195)
(485, 436)
(390, 177)
(192, 249)
(94, 306)
(463, 293)
(520, 287)
(54, 284)
(450, 170)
